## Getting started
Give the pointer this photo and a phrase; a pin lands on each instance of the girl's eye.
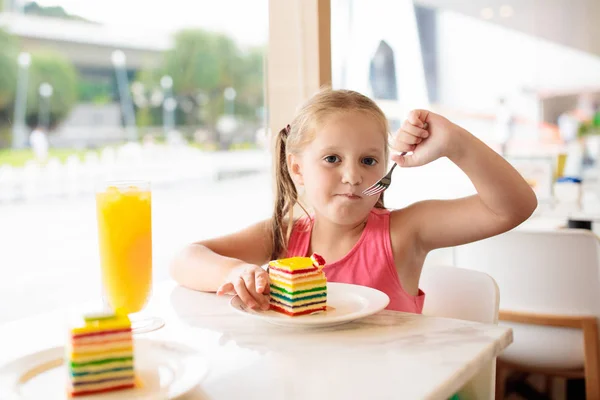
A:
(332, 159)
(369, 161)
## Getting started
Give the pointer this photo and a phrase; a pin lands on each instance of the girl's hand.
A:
(439, 138)
(251, 283)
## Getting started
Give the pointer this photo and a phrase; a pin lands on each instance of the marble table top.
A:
(386, 355)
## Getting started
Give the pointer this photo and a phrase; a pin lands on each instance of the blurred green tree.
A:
(53, 68)
(150, 114)
(33, 8)
(203, 64)
(8, 68)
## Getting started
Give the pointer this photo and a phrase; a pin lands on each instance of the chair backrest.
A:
(552, 272)
(459, 293)
(470, 295)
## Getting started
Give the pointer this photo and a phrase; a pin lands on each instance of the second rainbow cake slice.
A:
(298, 285)
(100, 355)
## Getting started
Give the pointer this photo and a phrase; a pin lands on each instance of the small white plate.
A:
(165, 370)
(345, 303)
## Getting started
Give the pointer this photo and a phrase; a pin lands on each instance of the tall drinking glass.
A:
(124, 212)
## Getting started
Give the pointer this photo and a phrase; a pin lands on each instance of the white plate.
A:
(345, 303)
(166, 371)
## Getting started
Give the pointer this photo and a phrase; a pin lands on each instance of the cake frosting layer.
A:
(103, 376)
(89, 372)
(298, 285)
(292, 264)
(104, 362)
(289, 291)
(102, 325)
(97, 389)
(292, 307)
(295, 272)
(299, 299)
(298, 311)
(100, 356)
(90, 349)
(101, 333)
(91, 388)
(103, 338)
(286, 275)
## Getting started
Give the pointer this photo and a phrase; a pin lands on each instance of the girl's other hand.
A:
(251, 283)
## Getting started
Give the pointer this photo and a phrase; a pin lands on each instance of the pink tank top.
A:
(369, 263)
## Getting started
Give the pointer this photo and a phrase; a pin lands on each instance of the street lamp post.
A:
(169, 104)
(19, 125)
(227, 124)
(229, 94)
(119, 60)
(45, 92)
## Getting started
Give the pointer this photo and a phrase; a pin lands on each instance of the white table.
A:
(553, 221)
(388, 355)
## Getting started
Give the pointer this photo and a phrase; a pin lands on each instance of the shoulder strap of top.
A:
(300, 238)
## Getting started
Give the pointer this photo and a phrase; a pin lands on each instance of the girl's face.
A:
(346, 156)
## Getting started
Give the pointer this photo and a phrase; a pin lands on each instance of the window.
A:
(124, 90)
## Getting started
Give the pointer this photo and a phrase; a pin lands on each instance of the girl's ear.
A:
(295, 168)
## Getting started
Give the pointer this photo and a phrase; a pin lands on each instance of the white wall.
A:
(480, 61)
(358, 27)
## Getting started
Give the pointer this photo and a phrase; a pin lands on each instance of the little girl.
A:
(335, 148)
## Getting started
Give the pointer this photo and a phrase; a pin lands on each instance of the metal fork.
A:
(386, 181)
(381, 184)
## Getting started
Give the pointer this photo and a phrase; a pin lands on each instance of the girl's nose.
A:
(351, 175)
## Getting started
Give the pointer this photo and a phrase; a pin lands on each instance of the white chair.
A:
(550, 286)
(460, 293)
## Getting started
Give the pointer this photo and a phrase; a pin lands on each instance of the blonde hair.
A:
(293, 138)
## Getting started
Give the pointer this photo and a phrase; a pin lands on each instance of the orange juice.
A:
(125, 238)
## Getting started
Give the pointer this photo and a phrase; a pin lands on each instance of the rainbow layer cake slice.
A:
(298, 285)
(100, 355)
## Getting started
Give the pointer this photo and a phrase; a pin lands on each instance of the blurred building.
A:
(87, 45)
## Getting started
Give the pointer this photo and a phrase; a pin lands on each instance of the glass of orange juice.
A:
(124, 213)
